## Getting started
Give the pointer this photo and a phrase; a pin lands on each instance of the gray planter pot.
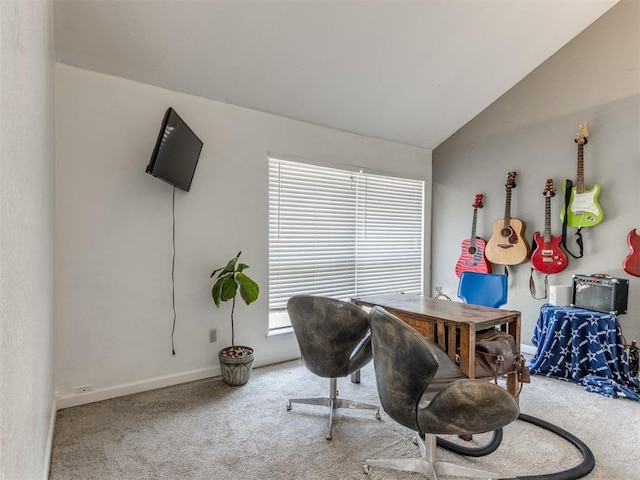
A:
(236, 370)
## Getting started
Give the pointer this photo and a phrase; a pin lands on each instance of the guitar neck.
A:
(547, 219)
(580, 185)
(507, 209)
(473, 228)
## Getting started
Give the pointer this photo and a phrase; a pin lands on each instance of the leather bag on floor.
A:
(496, 354)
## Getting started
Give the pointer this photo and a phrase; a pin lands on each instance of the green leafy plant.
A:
(231, 279)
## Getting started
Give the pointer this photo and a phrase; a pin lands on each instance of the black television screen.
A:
(176, 153)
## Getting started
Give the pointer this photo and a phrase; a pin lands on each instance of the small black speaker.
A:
(600, 293)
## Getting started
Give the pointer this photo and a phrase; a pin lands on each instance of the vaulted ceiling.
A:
(408, 71)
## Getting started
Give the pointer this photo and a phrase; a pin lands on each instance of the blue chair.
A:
(488, 289)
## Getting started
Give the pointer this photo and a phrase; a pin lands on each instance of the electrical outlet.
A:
(438, 290)
(84, 389)
(213, 335)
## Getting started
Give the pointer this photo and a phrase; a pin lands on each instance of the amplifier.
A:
(600, 293)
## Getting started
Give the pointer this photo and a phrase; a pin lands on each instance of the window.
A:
(341, 233)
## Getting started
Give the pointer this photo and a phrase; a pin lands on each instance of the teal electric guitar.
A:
(584, 209)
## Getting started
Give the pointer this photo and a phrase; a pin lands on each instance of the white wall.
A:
(113, 230)
(530, 130)
(26, 239)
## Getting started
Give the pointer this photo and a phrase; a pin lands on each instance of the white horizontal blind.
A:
(312, 223)
(338, 233)
(389, 235)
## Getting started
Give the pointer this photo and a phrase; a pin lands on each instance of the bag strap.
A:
(523, 375)
(567, 200)
(521, 370)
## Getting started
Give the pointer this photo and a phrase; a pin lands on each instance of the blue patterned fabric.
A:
(585, 347)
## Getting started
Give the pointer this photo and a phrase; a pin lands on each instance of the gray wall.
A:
(26, 239)
(531, 130)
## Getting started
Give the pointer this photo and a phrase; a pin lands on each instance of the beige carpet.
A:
(207, 430)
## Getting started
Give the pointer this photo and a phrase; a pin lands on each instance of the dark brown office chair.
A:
(335, 341)
(421, 388)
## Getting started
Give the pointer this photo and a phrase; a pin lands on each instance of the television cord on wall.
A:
(173, 269)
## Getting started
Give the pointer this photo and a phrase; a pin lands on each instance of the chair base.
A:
(426, 464)
(333, 402)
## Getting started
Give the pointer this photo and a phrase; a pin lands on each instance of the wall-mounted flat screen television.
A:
(176, 153)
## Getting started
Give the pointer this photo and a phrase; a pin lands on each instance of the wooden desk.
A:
(452, 325)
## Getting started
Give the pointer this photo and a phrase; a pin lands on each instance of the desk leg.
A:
(512, 384)
(442, 338)
(467, 360)
(467, 351)
(513, 328)
(355, 377)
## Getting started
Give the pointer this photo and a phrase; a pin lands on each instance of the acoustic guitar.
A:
(507, 245)
(631, 263)
(472, 258)
(584, 209)
(547, 257)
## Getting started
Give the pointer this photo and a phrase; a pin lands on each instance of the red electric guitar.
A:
(631, 263)
(472, 258)
(548, 257)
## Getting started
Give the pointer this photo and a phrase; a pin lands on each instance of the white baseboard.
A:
(530, 349)
(279, 358)
(73, 400)
(48, 448)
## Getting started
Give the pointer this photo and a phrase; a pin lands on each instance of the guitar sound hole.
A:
(472, 250)
(505, 232)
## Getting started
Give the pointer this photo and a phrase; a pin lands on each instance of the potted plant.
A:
(235, 361)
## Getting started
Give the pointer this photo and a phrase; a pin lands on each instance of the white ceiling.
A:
(408, 71)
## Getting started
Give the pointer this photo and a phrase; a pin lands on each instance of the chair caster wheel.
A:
(289, 406)
(366, 469)
(329, 436)
(378, 417)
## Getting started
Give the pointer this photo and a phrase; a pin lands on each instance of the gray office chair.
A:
(335, 341)
(421, 388)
